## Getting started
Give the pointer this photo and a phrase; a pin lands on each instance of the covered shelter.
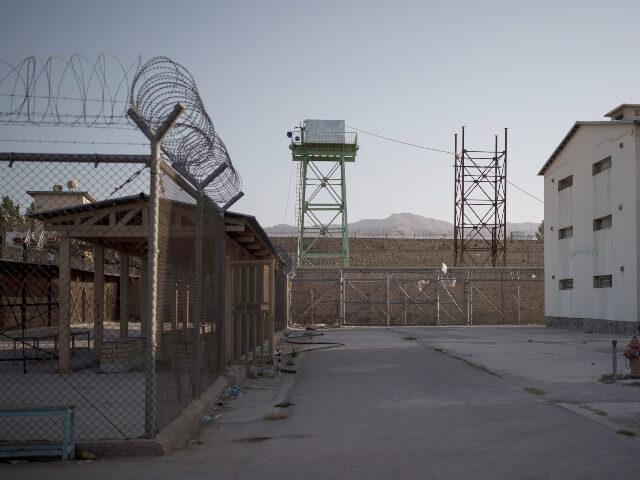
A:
(252, 270)
(119, 224)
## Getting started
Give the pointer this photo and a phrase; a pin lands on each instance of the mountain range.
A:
(403, 224)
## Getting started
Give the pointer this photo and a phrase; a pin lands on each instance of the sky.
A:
(411, 70)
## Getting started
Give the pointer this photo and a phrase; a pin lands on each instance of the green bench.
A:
(65, 449)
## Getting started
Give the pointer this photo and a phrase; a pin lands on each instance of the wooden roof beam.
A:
(234, 221)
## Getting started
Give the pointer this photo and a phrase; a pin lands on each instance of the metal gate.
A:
(405, 296)
(250, 311)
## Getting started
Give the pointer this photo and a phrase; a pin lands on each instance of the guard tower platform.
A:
(322, 147)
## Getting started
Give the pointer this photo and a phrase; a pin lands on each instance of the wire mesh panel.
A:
(74, 272)
(281, 306)
(72, 261)
(190, 300)
(251, 303)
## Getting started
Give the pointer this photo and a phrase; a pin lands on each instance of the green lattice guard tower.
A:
(323, 148)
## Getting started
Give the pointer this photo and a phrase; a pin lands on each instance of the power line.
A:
(524, 191)
(393, 209)
(400, 141)
(415, 145)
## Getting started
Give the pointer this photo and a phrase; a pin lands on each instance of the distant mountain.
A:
(406, 223)
(522, 227)
(281, 228)
(401, 224)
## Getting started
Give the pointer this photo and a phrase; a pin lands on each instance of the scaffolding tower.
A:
(323, 148)
(480, 205)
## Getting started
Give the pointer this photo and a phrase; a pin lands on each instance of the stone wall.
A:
(175, 347)
(122, 355)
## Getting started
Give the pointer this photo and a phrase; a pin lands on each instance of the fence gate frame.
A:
(434, 300)
(250, 311)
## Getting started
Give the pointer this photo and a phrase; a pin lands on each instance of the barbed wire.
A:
(37, 90)
(77, 92)
(192, 142)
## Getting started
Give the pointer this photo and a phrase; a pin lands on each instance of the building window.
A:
(602, 281)
(603, 222)
(566, 232)
(565, 182)
(566, 284)
(602, 165)
(620, 116)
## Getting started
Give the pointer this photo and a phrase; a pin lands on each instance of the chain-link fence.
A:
(74, 308)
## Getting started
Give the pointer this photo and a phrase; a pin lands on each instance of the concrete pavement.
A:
(396, 403)
(566, 364)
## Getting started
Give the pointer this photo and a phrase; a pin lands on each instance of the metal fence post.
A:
(518, 296)
(198, 296)
(288, 301)
(436, 300)
(614, 373)
(388, 300)
(467, 297)
(341, 300)
(470, 301)
(155, 137)
(152, 299)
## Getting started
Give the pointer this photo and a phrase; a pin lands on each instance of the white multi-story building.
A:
(591, 225)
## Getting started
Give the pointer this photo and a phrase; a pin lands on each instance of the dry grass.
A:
(534, 391)
(594, 410)
(279, 415)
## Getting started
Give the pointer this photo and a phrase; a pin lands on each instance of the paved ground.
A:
(565, 364)
(398, 404)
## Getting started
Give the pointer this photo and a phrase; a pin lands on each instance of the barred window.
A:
(602, 222)
(566, 232)
(602, 165)
(602, 281)
(565, 182)
(566, 284)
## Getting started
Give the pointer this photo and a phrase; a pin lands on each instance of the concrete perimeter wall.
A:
(423, 253)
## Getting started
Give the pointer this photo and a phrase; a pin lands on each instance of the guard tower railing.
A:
(304, 137)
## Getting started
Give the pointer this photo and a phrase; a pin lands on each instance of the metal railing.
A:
(305, 137)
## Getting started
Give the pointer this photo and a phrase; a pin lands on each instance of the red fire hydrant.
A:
(633, 354)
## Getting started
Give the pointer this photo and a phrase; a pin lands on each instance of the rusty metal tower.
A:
(480, 206)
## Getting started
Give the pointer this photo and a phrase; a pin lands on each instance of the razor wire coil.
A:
(78, 92)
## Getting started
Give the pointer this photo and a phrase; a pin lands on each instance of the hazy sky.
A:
(415, 71)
